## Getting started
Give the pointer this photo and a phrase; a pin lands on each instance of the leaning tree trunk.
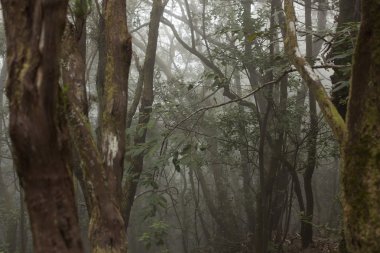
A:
(37, 127)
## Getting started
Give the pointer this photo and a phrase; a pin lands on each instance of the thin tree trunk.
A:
(307, 219)
(23, 228)
(145, 109)
(261, 243)
(197, 207)
(222, 225)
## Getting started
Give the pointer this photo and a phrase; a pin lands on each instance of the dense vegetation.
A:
(190, 126)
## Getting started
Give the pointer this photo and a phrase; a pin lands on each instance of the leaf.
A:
(176, 161)
(186, 149)
(190, 87)
(136, 150)
(252, 37)
(203, 147)
(209, 76)
(344, 55)
(340, 85)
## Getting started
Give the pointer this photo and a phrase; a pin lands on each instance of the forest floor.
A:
(320, 245)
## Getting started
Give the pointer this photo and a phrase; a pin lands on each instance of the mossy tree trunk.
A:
(37, 124)
(103, 163)
(107, 231)
(112, 120)
(360, 136)
(361, 151)
(73, 66)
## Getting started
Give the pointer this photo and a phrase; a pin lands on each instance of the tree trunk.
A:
(224, 203)
(349, 12)
(106, 230)
(246, 170)
(23, 228)
(307, 219)
(74, 83)
(359, 139)
(37, 127)
(221, 223)
(361, 151)
(104, 163)
(118, 48)
(145, 109)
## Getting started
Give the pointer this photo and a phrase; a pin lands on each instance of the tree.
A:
(361, 149)
(103, 162)
(359, 146)
(147, 97)
(38, 128)
(349, 15)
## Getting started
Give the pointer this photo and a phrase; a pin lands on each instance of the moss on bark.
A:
(361, 150)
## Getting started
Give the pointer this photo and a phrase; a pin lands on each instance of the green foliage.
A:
(80, 7)
(237, 126)
(155, 235)
(154, 201)
(149, 148)
(343, 45)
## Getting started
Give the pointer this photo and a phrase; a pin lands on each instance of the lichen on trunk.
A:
(361, 151)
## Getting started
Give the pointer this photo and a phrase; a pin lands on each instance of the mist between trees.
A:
(190, 126)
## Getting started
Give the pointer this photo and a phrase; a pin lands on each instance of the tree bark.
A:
(37, 124)
(349, 12)
(106, 230)
(360, 142)
(118, 48)
(74, 84)
(361, 152)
